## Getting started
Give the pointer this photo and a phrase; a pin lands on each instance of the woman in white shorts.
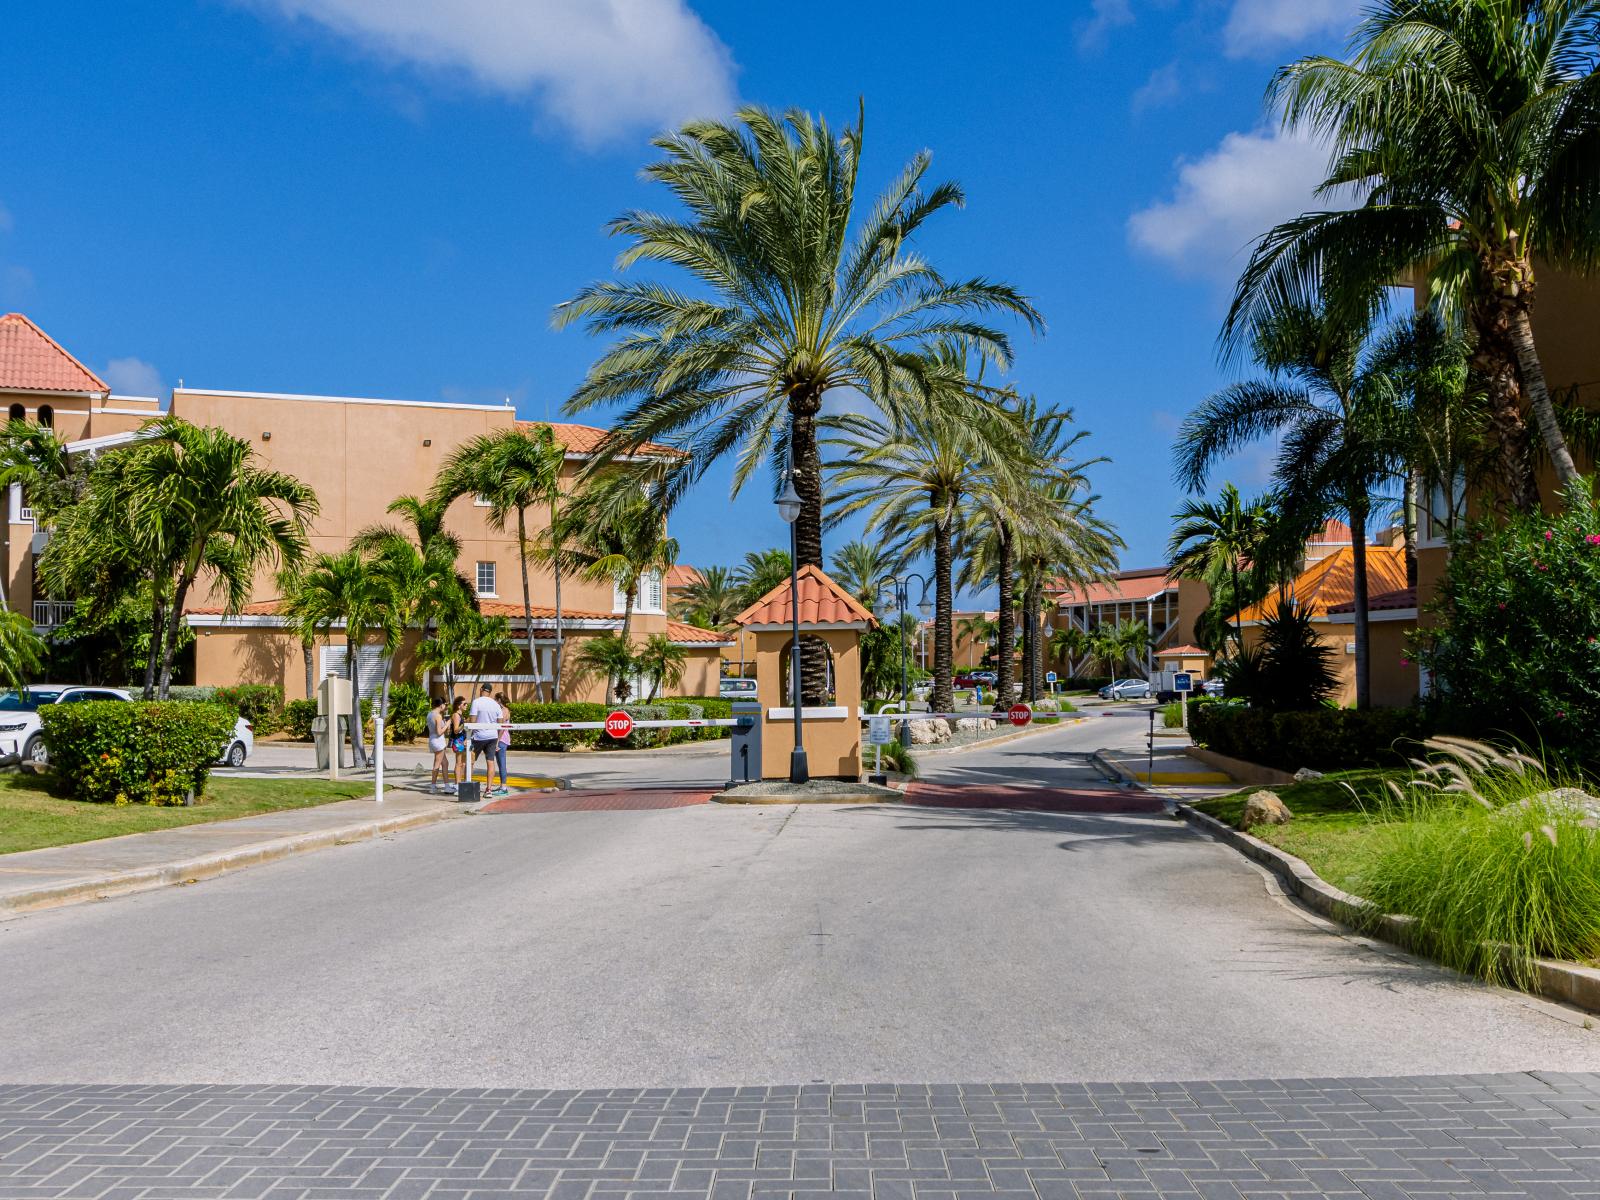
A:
(439, 743)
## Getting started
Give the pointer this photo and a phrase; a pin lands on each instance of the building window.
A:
(18, 413)
(47, 416)
(481, 501)
(486, 579)
(650, 592)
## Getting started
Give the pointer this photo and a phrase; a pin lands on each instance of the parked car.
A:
(737, 689)
(241, 746)
(1212, 687)
(1126, 689)
(21, 739)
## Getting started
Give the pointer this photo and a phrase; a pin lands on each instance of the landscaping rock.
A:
(1576, 800)
(929, 732)
(1305, 773)
(1264, 808)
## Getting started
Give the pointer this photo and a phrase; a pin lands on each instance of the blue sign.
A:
(1049, 676)
(1182, 681)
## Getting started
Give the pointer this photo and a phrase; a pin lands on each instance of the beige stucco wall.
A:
(1394, 680)
(832, 744)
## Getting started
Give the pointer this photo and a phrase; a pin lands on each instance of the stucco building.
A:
(357, 454)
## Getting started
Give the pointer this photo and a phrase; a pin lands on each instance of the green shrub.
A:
(297, 718)
(408, 713)
(896, 757)
(1327, 739)
(1172, 715)
(1516, 648)
(259, 703)
(113, 752)
(536, 739)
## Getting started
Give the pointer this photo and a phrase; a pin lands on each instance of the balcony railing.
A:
(48, 614)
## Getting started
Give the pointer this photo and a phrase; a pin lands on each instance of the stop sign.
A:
(618, 724)
(1020, 714)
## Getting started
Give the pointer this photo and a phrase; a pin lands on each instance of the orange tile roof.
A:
(33, 361)
(1125, 585)
(682, 577)
(1183, 652)
(1385, 602)
(1330, 581)
(678, 631)
(586, 439)
(822, 602)
(489, 608)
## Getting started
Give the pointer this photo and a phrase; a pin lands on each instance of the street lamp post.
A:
(789, 510)
(901, 589)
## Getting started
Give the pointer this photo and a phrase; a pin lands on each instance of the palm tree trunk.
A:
(1408, 525)
(1494, 366)
(1035, 615)
(311, 676)
(158, 626)
(555, 683)
(527, 604)
(1544, 413)
(169, 649)
(1238, 610)
(1358, 554)
(943, 696)
(358, 745)
(806, 466)
(623, 686)
(1006, 621)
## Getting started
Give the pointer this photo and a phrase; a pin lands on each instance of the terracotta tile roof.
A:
(1125, 585)
(682, 577)
(677, 631)
(33, 361)
(1178, 652)
(822, 602)
(1331, 581)
(489, 608)
(1332, 533)
(586, 439)
(1381, 602)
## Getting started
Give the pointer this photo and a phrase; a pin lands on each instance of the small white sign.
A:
(879, 732)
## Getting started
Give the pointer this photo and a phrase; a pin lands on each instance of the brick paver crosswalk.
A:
(1507, 1135)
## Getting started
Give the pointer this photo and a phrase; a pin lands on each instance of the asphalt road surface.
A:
(766, 945)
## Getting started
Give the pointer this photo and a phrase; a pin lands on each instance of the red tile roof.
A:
(33, 361)
(1384, 602)
(586, 439)
(682, 577)
(677, 631)
(1125, 585)
(489, 608)
(822, 602)
(1332, 533)
(1182, 652)
(1330, 582)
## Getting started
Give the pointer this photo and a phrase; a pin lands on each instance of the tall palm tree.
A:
(201, 501)
(614, 531)
(862, 567)
(340, 589)
(795, 294)
(1468, 129)
(761, 571)
(1342, 433)
(713, 600)
(1216, 540)
(913, 478)
(513, 469)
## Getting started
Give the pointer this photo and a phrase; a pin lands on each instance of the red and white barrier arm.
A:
(709, 723)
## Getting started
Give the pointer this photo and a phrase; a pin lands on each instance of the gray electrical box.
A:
(746, 742)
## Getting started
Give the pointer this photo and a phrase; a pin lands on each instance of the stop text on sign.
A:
(618, 724)
(1019, 714)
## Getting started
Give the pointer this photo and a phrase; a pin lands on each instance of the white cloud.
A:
(1162, 87)
(1260, 26)
(133, 377)
(1104, 16)
(597, 67)
(1229, 197)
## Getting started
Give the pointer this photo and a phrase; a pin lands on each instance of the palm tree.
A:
(513, 469)
(611, 658)
(713, 600)
(1216, 540)
(1069, 644)
(21, 650)
(862, 568)
(795, 295)
(913, 479)
(200, 501)
(38, 461)
(340, 589)
(761, 571)
(1468, 129)
(1341, 427)
(615, 532)
(661, 661)
(979, 630)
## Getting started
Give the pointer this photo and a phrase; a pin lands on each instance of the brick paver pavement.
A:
(1504, 1135)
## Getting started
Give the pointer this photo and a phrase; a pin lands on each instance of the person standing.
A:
(485, 724)
(439, 743)
(458, 738)
(505, 740)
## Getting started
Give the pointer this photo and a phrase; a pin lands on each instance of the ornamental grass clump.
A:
(1496, 858)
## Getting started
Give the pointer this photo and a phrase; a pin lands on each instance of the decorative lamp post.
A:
(901, 590)
(789, 510)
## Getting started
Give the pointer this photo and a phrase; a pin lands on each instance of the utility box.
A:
(333, 703)
(746, 742)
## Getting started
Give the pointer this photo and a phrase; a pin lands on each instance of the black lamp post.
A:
(901, 587)
(789, 510)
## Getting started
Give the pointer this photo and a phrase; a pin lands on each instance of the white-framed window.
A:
(1442, 510)
(648, 599)
(486, 579)
(481, 501)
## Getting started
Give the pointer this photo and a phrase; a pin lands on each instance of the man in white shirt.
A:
(485, 721)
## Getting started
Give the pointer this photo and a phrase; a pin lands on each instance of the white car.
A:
(734, 688)
(241, 746)
(20, 737)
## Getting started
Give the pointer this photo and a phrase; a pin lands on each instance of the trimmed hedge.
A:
(688, 708)
(1325, 739)
(297, 718)
(259, 703)
(112, 752)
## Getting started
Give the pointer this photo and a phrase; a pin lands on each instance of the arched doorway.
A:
(18, 413)
(815, 695)
(47, 416)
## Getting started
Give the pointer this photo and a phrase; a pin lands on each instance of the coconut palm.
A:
(713, 600)
(334, 590)
(200, 501)
(795, 294)
(1468, 130)
(21, 650)
(862, 568)
(1216, 541)
(1341, 425)
(514, 469)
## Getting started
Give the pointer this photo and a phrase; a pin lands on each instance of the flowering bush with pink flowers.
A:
(1515, 649)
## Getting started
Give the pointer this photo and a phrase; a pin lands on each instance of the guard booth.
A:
(831, 730)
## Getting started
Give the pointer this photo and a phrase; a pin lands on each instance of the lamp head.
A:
(789, 503)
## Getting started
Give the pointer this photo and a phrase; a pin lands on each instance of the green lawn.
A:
(32, 816)
(1336, 833)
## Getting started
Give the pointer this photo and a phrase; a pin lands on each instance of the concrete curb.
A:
(1566, 982)
(999, 739)
(209, 866)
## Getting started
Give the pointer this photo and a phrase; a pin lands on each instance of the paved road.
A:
(729, 945)
(1513, 1135)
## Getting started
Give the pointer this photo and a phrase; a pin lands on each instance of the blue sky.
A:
(387, 197)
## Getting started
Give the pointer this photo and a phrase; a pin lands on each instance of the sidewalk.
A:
(34, 879)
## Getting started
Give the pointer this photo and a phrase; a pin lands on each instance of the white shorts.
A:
(437, 744)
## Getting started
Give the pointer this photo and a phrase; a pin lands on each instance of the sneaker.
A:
(501, 791)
